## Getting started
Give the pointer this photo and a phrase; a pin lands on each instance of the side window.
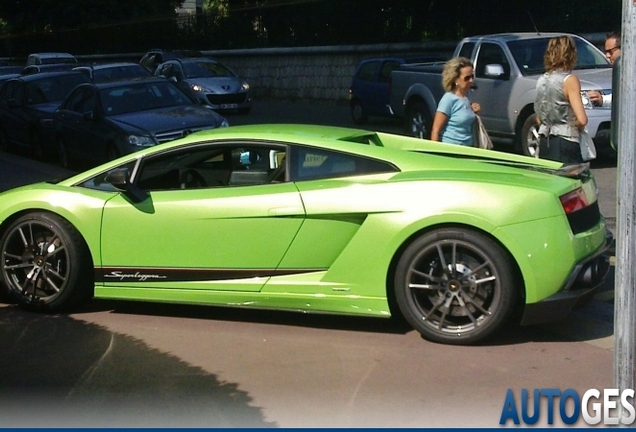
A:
(310, 164)
(226, 165)
(367, 71)
(467, 50)
(491, 54)
(75, 101)
(385, 71)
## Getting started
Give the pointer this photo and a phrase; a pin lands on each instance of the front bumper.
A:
(579, 288)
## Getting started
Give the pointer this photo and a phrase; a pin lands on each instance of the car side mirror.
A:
(494, 71)
(120, 180)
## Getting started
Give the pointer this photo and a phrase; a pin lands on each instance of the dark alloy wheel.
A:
(45, 263)
(418, 121)
(456, 286)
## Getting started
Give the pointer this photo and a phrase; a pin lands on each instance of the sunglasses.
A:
(610, 51)
(469, 77)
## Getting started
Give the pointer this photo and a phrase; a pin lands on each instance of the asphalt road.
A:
(114, 364)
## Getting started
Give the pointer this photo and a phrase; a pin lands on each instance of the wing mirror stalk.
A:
(120, 180)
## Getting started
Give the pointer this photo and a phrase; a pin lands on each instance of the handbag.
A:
(588, 149)
(482, 139)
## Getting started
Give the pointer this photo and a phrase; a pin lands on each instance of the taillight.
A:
(574, 201)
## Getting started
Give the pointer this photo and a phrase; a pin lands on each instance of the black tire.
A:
(46, 264)
(37, 146)
(63, 155)
(418, 121)
(456, 286)
(4, 142)
(528, 143)
(358, 115)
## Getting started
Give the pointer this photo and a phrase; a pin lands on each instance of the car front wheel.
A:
(456, 286)
(45, 263)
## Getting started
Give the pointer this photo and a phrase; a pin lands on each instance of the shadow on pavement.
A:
(56, 371)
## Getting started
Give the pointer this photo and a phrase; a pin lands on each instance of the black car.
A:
(27, 104)
(102, 121)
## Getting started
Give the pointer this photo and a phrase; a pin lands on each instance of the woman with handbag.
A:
(558, 104)
(455, 115)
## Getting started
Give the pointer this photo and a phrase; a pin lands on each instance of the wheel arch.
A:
(391, 272)
(15, 216)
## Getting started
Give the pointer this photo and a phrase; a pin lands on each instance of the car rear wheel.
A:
(418, 121)
(45, 263)
(456, 286)
(357, 113)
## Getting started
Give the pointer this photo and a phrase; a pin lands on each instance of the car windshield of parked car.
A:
(528, 54)
(118, 73)
(135, 97)
(206, 69)
(52, 88)
(57, 60)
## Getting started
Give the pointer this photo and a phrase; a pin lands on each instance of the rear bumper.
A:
(579, 288)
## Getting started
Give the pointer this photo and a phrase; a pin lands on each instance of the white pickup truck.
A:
(507, 67)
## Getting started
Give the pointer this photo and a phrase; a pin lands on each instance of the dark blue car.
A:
(369, 91)
(98, 122)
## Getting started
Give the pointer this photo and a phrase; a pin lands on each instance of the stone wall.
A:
(318, 73)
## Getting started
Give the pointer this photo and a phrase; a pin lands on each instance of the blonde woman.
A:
(455, 115)
(558, 104)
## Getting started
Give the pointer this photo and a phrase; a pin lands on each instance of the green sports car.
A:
(459, 241)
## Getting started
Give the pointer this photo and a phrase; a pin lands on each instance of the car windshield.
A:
(56, 60)
(206, 69)
(133, 97)
(528, 54)
(52, 89)
(118, 72)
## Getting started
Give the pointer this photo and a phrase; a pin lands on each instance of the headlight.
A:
(200, 88)
(245, 86)
(140, 141)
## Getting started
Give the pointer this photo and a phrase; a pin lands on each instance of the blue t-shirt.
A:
(459, 127)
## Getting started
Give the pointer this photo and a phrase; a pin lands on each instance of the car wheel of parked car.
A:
(357, 113)
(4, 142)
(418, 121)
(37, 149)
(63, 156)
(456, 286)
(45, 263)
(529, 137)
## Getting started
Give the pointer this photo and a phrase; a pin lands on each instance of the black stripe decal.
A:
(162, 274)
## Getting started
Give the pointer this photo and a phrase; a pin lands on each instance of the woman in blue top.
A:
(455, 115)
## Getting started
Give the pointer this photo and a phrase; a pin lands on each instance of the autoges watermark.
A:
(606, 406)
